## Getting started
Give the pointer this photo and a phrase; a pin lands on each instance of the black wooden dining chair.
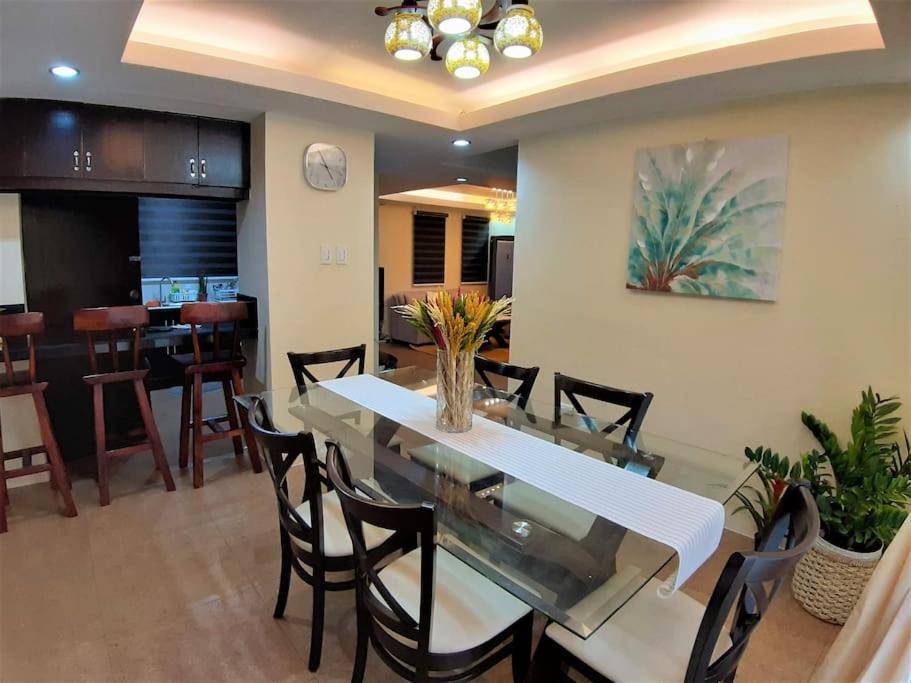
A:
(387, 361)
(301, 363)
(428, 615)
(652, 638)
(636, 403)
(314, 539)
(526, 376)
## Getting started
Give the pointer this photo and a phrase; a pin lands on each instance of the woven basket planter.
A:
(829, 580)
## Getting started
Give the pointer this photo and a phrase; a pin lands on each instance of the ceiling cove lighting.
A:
(64, 71)
(463, 31)
(461, 142)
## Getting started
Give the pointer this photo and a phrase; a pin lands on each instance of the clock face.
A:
(325, 166)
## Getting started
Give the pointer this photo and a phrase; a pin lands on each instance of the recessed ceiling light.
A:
(461, 179)
(461, 142)
(64, 71)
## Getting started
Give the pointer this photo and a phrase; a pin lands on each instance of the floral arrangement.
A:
(455, 323)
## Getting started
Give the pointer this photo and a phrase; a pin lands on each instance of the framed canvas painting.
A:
(708, 218)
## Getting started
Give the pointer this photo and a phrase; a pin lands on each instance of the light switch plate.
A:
(341, 255)
(325, 255)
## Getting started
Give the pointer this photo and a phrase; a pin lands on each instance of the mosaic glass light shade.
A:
(519, 35)
(454, 17)
(408, 37)
(467, 58)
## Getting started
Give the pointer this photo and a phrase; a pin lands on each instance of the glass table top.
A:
(572, 565)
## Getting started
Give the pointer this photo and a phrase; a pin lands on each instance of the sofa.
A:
(399, 329)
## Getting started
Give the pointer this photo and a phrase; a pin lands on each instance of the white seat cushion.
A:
(336, 541)
(468, 608)
(649, 639)
(524, 500)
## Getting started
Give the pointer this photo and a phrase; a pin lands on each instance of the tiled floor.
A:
(180, 587)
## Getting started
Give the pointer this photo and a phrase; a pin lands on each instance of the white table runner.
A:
(687, 522)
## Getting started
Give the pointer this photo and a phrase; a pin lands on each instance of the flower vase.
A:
(455, 386)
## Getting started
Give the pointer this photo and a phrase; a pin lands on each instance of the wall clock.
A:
(325, 166)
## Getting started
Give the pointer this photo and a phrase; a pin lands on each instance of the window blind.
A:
(187, 237)
(429, 248)
(475, 239)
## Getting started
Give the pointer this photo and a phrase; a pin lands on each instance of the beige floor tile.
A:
(80, 663)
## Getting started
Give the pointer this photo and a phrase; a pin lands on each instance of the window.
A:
(187, 237)
(429, 248)
(475, 237)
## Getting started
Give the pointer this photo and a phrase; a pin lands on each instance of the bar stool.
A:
(119, 321)
(29, 326)
(223, 365)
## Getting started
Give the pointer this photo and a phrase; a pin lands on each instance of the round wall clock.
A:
(325, 166)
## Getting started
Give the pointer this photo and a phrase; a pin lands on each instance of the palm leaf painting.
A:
(708, 218)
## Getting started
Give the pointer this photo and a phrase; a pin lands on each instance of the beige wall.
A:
(12, 284)
(308, 306)
(728, 373)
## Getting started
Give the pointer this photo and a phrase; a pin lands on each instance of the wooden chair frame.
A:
(526, 376)
(747, 585)
(386, 624)
(220, 364)
(636, 403)
(116, 322)
(300, 361)
(28, 327)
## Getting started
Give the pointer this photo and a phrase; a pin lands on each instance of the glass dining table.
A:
(573, 566)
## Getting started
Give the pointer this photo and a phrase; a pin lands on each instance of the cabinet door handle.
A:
(202, 168)
(76, 160)
(192, 168)
(88, 161)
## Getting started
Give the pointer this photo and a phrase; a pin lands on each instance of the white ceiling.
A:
(92, 34)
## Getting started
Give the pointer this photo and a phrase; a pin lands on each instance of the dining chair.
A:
(526, 376)
(110, 324)
(676, 638)
(222, 364)
(428, 615)
(25, 328)
(314, 539)
(300, 363)
(636, 403)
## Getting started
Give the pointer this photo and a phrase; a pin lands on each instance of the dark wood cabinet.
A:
(48, 145)
(112, 143)
(171, 148)
(223, 149)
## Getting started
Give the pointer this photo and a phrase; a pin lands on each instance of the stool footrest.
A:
(25, 471)
(129, 450)
(23, 452)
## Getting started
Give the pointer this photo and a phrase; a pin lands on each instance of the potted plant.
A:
(773, 472)
(862, 489)
(202, 293)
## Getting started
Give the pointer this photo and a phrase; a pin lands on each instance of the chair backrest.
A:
(414, 526)
(215, 314)
(21, 326)
(111, 324)
(282, 451)
(748, 583)
(387, 361)
(301, 361)
(526, 376)
(636, 403)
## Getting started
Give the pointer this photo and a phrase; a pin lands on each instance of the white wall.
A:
(728, 373)
(12, 283)
(307, 306)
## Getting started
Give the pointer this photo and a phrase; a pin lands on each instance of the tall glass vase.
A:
(455, 385)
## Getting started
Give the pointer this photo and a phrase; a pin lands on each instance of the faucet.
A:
(161, 301)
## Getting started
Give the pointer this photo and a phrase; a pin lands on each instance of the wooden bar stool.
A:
(27, 326)
(218, 364)
(119, 321)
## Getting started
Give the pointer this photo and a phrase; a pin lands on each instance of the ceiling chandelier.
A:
(420, 27)
(502, 205)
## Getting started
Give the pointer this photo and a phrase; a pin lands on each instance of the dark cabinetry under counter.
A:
(49, 145)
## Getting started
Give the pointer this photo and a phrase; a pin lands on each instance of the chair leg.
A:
(319, 611)
(4, 493)
(148, 421)
(231, 411)
(238, 386)
(58, 469)
(363, 640)
(100, 450)
(197, 431)
(521, 648)
(547, 664)
(284, 578)
(185, 407)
